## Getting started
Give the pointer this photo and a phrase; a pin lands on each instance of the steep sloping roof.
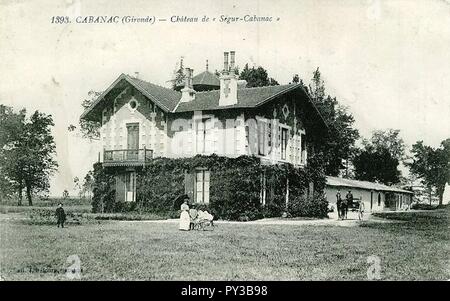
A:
(246, 98)
(169, 100)
(166, 99)
(206, 78)
(340, 182)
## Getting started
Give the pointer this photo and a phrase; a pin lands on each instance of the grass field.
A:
(414, 246)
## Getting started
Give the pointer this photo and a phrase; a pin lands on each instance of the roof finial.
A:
(206, 65)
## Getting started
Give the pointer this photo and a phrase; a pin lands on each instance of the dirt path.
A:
(352, 221)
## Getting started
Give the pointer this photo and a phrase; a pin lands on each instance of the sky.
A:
(387, 61)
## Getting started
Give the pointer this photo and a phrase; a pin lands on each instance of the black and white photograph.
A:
(231, 141)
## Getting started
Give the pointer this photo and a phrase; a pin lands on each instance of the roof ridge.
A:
(269, 86)
(153, 84)
(206, 92)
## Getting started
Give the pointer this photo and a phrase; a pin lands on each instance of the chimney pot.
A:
(188, 78)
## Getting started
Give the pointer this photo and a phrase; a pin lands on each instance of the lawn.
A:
(414, 246)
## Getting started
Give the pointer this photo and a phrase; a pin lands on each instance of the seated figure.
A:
(205, 215)
(193, 214)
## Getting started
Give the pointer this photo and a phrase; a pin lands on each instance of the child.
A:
(193, 213)
(60, 215)
(361, 209)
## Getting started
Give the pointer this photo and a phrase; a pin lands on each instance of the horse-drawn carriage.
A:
(356, 205)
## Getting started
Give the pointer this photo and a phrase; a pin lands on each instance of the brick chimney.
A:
(228, 81)
(188, 92)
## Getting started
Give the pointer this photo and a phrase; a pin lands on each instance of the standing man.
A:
(338, 203)
(60, 215)
(349, 198)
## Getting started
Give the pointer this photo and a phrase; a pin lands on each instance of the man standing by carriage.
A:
(338, 203)
(348, 202)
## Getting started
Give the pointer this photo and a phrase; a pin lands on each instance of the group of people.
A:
(343, 204)
(190, 216)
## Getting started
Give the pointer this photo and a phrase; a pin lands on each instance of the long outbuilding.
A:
(376, 196)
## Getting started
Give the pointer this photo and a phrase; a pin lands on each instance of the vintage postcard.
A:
(222, 140)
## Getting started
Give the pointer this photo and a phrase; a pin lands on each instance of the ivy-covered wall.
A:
(235, 187)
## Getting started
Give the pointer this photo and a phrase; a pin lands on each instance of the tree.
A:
(380, 157)
(257, 77)
(178, 75)
(11, 127)
(432, 165)
(77, 186)
(88, 184)
(28, 149)
(376, 165)
(40, 150)
(295, 79)
(390, 140)
(317, 87)
(339, 148)
(89, 129)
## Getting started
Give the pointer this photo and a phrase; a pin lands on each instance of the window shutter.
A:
(189, 185)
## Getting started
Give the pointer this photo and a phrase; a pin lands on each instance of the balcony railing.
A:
(127, 156)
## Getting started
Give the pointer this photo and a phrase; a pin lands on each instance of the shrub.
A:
(235, 187)
(309, 206)
(421, 206)
(103, 190)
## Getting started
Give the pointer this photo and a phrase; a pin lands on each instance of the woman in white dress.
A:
(185, 220)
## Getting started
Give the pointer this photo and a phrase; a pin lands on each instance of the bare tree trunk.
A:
(441, 195)
(19, 190)
(30, 201)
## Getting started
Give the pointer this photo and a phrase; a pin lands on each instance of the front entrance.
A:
(126, 187)
(197, 185)
(371, 200)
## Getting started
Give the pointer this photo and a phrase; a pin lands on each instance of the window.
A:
(133, 104)
(261, 137)
(132, 141)
(104, 116)
(130, 187)
(264, 137)
(303, 148)
(247, 140)
(202, 186)
(204, 136)
(284, 142)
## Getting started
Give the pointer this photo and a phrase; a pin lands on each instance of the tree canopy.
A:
(390, 140)
(178, 75)
(376, 165)
(339, 148)
(257, 77)
(432, 165)
(380, 157)
(27, 149)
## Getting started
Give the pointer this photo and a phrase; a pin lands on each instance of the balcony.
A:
(127, 157)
